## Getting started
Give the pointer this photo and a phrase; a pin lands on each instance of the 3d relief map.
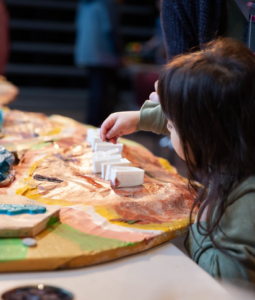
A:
(77, 218)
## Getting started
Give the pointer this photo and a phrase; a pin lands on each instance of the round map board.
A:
(96, 223)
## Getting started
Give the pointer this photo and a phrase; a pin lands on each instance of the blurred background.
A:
(87, 58)
(43, 63)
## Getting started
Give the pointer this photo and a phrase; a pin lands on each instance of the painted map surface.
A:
(97, 223)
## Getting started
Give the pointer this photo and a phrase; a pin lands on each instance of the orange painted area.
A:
(82, 221)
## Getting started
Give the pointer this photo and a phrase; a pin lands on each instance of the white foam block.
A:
(126, 176)
(91, 133)
(97, 165)
(106, 167)
(96, 140)
(103, 154)
(101, 157)
(99, 146)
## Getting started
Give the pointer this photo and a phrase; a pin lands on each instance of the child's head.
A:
(209, 98)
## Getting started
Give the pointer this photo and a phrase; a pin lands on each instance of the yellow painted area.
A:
(35, 165)
(33, 168)
(89, 126)
(5, 108)
(166, 165)
(110, 214)
(53, 131)
(32, 193)
(131, 143)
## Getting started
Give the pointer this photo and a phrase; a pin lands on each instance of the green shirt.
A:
(152, 119)
(237, 234)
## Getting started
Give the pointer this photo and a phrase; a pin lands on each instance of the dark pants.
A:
(103, 89)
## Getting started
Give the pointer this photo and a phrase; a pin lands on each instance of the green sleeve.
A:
(213, 260)
(152, 119)
(236, 238)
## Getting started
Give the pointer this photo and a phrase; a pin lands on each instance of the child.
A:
(208, 105)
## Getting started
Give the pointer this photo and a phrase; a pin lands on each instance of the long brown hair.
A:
(210, 98)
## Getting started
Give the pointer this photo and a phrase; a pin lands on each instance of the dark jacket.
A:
(189, 23)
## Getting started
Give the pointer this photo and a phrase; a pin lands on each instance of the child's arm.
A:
(152, 118)
(149, 118)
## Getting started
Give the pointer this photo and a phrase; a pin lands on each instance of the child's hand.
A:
(119, 124)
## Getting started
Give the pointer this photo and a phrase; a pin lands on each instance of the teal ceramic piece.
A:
(6, 159)
(18, 209)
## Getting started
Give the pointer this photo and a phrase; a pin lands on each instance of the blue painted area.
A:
(6, 159)
(1, 119)
(18, 209)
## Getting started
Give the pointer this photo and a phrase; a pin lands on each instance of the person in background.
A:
(189, 24)
(98, 49)
(207, 104)
(155, 45)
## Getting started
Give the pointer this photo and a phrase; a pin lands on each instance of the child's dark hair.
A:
(210, 98)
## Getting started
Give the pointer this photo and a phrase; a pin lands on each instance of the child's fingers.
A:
(114, 132)
(117, 137)
(113, 140)
(105, 127)
(154, 97)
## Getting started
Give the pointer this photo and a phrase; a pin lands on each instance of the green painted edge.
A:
(87, 242)
(40, 145)
(51, 221)
(12, 250)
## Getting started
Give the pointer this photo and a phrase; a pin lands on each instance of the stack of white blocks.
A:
(107, 160)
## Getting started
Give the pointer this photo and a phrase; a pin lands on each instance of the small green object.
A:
(130, 222)
(133, 221)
